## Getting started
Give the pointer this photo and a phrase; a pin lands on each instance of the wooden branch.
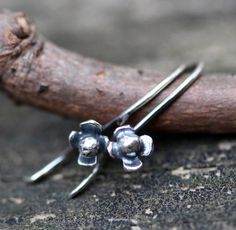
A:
(41, 74)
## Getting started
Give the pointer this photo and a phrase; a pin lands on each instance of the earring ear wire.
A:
(144, 141)
(121, 119)
(128, 146)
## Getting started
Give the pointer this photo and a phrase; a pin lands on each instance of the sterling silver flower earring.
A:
(92, 143)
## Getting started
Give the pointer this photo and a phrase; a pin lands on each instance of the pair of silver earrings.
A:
(93, 146)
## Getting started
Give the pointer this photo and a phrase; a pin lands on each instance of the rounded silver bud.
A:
(89, 146)
(129, 144)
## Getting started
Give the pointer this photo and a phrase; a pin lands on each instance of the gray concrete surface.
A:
(189, 183)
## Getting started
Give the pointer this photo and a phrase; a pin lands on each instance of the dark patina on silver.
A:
(88, 142)
(129, 147)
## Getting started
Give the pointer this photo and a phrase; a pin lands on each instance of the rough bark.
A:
(41, 74)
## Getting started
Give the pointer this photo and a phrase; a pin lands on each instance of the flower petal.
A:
(132, 164)
(74, 139)
(87, 161)
(147, 145)
(91, 126)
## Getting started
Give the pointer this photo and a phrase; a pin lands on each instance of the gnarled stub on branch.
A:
(41, 74)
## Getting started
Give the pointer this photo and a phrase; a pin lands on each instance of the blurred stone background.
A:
(188, 184)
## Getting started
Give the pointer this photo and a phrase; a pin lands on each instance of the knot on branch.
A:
(17, 33)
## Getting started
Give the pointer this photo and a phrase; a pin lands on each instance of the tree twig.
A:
(41, 74)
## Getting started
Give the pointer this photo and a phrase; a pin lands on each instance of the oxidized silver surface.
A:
(88, 142)
(128, 147)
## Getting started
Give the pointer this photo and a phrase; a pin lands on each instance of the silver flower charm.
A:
(89, 142)
(128, 147)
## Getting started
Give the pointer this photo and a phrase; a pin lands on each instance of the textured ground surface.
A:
(188, 184)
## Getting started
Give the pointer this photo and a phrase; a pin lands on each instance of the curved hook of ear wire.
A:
(128, 145)
(118, 121)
